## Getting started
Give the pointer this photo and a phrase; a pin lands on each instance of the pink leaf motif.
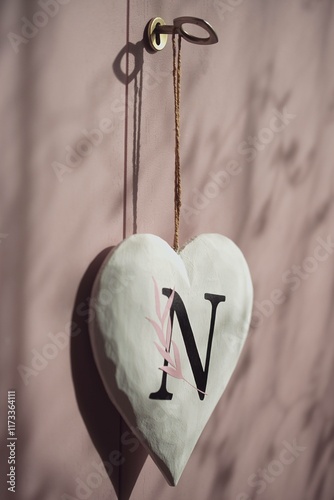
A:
(176, 355)
(168, 333)
(159, 332)
(165, 354)
(171, 371)
(196, 389)
(178, 367)
(157, 299)
(168, 306)
(174, 368)
(177, 361)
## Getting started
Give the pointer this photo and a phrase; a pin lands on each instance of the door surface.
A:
(87, 133)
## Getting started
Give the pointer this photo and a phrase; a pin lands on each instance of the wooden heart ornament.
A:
(167, 330)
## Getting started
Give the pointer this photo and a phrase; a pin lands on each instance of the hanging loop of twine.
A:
(177, 174)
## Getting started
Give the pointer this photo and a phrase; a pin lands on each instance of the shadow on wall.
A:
(119, 450)
(137, 52)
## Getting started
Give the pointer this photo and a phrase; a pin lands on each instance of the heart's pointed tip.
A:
(170, 468)
(172, 483)
(172, 479)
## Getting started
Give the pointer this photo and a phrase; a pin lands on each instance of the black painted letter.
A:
(200, 374)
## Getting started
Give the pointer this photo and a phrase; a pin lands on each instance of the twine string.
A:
(177, 174)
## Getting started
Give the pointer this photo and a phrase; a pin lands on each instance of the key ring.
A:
(158, 31)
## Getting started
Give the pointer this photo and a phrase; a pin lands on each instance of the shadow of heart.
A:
(121, 453)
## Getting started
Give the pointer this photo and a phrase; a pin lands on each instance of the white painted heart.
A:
(203, 327)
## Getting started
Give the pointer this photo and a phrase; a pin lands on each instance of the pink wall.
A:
(272, 56)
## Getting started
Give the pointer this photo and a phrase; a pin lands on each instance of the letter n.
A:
(200, 373)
